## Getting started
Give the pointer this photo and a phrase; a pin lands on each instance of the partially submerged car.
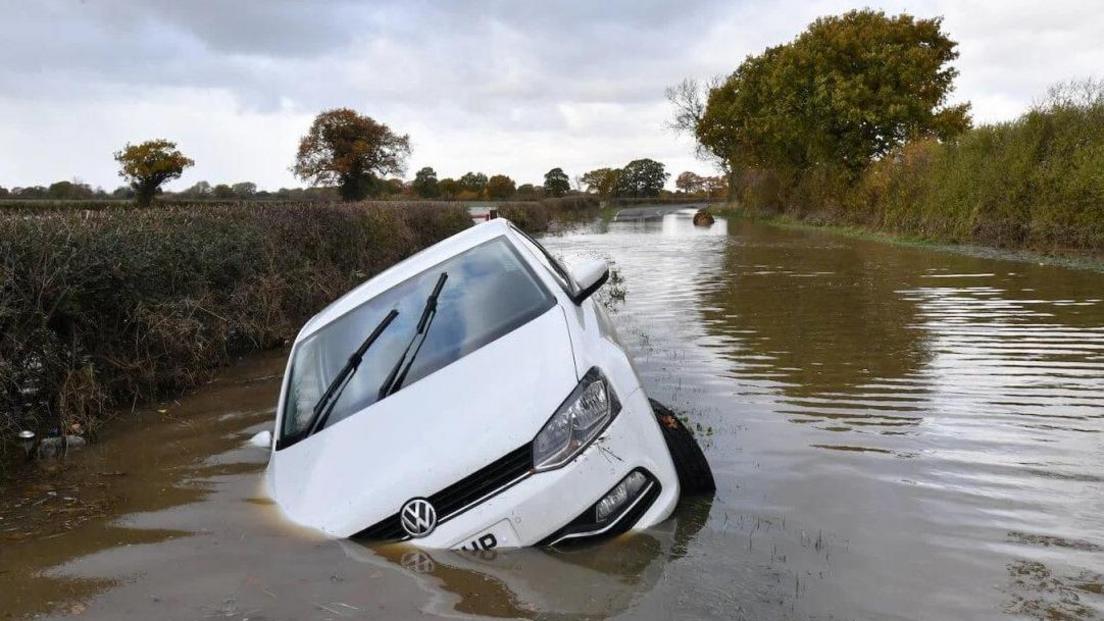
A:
(474, 396)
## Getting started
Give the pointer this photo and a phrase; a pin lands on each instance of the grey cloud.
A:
(519, 84)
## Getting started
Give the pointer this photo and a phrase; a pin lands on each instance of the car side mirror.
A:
(590, 277)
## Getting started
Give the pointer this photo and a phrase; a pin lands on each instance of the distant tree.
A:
(601, 180)
(529, 192)
(473, 182)
(500, 187)
(448, 188)
(148, 165)
(556, 183)
(201, 189)
(393, 186)
(30, 192)
(848, 90)
(223, 192)
(425, 183)
(123, 192)
(690, 182)
(69, 190)
(715, 187)
(350, 150)
(4, 193)
(641, 178)
(245, 189)
(689, 99)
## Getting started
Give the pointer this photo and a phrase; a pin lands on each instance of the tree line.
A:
(349, 156)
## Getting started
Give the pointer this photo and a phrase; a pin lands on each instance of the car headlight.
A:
(580, 419)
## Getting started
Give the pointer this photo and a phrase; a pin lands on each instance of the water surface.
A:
(896, 433)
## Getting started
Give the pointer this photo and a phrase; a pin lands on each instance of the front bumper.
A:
(528, 511)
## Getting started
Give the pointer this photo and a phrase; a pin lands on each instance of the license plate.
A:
(502, 534)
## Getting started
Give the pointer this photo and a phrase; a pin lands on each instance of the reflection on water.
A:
(895, 433)
(933, 419)
(582, 582)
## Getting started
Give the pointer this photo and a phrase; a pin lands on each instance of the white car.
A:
(474, 396)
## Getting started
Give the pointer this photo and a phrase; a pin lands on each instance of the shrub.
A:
(99, 308)
(538, 217)
(1036, 182)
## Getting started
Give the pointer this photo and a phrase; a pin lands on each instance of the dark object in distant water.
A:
(703, 218)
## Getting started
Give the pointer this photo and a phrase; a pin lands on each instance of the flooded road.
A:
(896, 432)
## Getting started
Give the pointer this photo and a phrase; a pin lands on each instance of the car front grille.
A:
(453, 500)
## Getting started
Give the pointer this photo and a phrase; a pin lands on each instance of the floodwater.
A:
(896, 432)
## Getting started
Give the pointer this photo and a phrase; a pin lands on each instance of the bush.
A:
(100, 308)
(538, 217)
(1036, 183)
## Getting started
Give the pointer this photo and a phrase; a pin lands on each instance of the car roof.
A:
(410, 266)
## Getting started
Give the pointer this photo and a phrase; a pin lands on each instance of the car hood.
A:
(428, 435)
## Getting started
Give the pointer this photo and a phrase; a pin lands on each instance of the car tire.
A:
(694, 473)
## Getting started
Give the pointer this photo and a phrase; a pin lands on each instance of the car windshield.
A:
(490, 292)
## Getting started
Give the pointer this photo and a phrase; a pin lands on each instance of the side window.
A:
(550, 263)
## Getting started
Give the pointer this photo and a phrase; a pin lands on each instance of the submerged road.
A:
(896, 432)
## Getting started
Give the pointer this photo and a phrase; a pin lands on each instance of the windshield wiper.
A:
(398, 373)
(329, 398)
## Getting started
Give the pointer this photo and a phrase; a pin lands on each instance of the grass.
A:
(1071, 261)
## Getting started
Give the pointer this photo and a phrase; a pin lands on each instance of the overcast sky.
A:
(497, 87)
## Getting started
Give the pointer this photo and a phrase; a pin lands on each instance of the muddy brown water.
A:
(896, 432)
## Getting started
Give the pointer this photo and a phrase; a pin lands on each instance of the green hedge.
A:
(102, 308)
(540, 216)
(1035, 183)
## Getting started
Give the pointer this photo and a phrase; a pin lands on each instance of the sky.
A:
(496, 87)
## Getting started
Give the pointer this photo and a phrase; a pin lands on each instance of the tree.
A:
(715, 187)
(148, 165)
(223, 192)
(473, 182)
(201, 189)
(425, 183)
(69, 190)
(500, 187)
(690, 182)
(245, 189)
(641, 178)
(556, 183)
(689, 99)
(848, 90)
(31, 192)
(601, 180)
(529, 192)
(350, 150)
(448, 188)
(393, 186)
(4, 193)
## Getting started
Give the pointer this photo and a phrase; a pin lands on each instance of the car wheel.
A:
(694, 474)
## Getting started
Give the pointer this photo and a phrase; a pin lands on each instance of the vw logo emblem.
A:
(418, 517)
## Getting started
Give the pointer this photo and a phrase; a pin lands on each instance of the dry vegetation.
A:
(103, 308)
(1035, 183)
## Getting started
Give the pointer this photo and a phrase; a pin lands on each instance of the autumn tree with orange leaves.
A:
(351, 151)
